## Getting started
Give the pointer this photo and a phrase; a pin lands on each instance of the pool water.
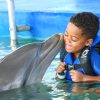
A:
(57, 91)
(5, 47)
(50, 88)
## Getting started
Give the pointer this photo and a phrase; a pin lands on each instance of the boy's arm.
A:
(91, 78)
(61, 67)
(60, 71)
(79, 77)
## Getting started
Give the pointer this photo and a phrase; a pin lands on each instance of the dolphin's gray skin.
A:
(27, 64)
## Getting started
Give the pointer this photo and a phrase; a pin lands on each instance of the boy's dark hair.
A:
(87, 22)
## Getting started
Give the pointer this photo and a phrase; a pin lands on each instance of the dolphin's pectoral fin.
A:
(28, 64)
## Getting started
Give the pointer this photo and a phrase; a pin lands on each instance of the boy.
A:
(79, 57)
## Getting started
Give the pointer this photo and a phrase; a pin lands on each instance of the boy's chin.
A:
(69, 51)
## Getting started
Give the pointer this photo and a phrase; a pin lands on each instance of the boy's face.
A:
(74, 40)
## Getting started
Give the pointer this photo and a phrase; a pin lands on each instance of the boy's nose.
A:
(67, 40)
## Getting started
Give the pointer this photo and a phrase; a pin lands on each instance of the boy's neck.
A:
(76, 55)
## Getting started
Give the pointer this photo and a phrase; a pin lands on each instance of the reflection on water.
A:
(61, 90)
(75, 91)
(35, 91)
(50, 88)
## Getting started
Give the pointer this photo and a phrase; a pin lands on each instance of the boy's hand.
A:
(76, 76)
(61, 67)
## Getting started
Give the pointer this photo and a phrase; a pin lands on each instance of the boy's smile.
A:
(74, 40)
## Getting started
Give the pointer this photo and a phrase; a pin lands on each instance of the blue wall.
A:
(43, 24)
(46, 17)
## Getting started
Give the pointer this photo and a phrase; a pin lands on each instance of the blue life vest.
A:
(87, 63)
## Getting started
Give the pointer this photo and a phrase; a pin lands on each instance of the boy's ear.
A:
(89, 42)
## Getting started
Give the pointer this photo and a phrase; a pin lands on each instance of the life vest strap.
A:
(75, 67)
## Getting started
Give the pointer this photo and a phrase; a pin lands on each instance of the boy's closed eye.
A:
(74, 39)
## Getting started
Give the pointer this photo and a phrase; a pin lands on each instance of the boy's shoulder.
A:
(97, 48)
(95, 58)
(96, 44)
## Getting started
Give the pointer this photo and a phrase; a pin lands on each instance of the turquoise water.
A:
(5, 47)
(50, 88)
(57, 91)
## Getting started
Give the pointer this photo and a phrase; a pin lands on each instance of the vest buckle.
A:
(70, 67)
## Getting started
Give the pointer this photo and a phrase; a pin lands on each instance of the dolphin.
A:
(27, 64)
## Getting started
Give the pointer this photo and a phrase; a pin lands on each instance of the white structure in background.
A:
(12, 23)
